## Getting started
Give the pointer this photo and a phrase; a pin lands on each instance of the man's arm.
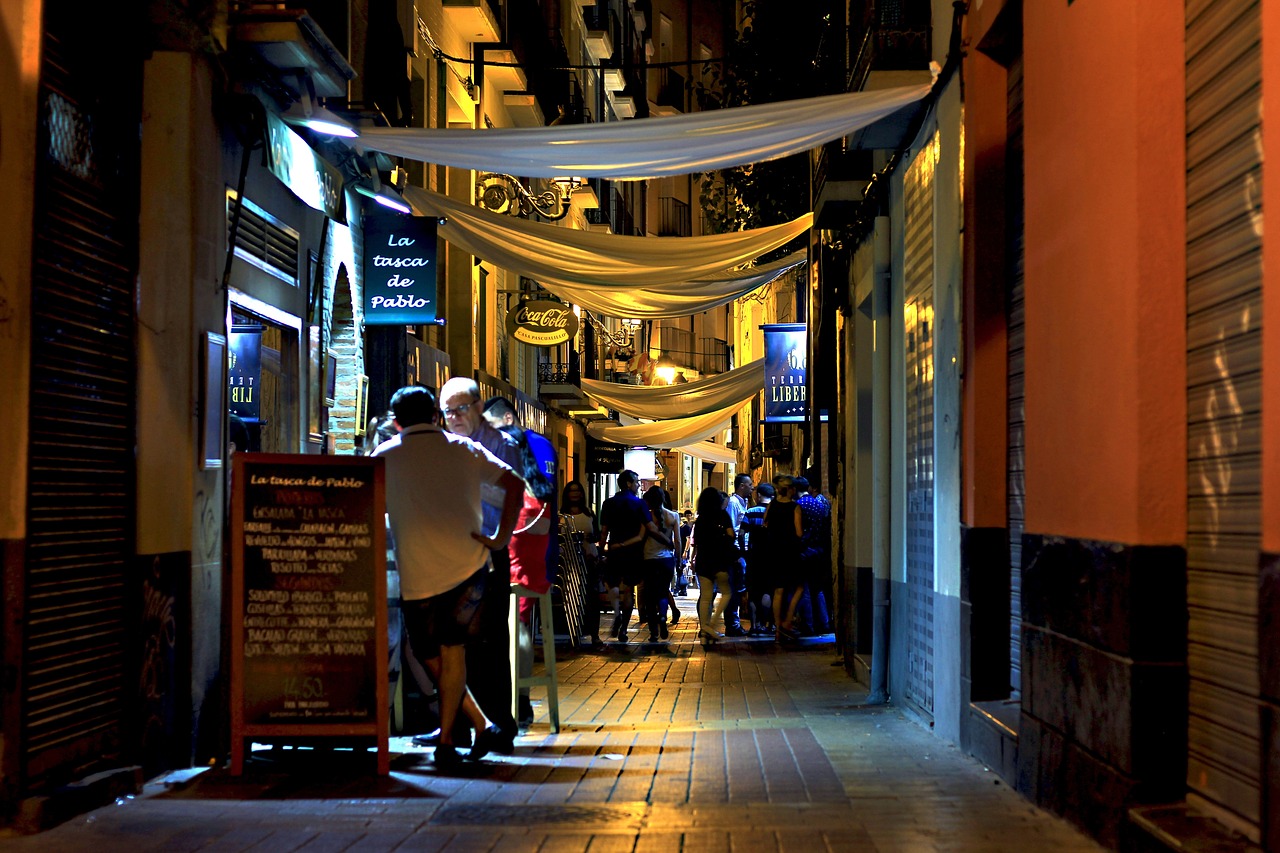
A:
(512, 500)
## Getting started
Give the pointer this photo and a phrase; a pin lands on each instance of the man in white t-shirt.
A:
(434, 482)
(739, 502)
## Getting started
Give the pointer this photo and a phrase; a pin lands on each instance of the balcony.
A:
(292, 42)
(669, 97)
(601, 32)
(474, 20)
(840, 176)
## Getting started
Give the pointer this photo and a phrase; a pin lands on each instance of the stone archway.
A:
(344, 346)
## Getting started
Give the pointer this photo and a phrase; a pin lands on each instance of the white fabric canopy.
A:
(650, 147)
(668, 433)
(567, 255)
(674, 300)
(709, 452)
(685, 400)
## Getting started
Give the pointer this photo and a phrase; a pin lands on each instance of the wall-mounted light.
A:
(309, 114)
(372, 187)
(505, 194)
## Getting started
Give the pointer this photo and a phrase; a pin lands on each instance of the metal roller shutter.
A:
(1224, 277)
(1015, 324)
(81, 494)
(919, 329)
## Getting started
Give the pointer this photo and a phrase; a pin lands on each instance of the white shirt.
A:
(737, 508)
(434, 482)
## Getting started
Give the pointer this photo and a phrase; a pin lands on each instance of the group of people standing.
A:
(471, 506)
(766, 559)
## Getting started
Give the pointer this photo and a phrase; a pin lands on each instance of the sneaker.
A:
(734, 631)
(675, 616)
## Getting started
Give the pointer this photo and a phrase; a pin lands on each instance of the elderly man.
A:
(487, 659)
(433, 483)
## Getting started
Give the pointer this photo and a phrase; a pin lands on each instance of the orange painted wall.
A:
(1271, 283)
(985, 382)
(1105, 274)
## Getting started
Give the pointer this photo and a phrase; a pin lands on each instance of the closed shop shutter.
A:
(919, 333)
(1224, 297)
(1015, 324)
(73, 704)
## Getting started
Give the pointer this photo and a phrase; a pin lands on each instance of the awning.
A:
(724, 390)
(709, 452)
(665, 433)
(650, 147)
(617, 263)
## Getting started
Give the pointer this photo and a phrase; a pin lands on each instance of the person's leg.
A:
(488, 656)
(706, 593)
(722, 580)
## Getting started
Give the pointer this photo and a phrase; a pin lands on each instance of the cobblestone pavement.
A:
(746, 746)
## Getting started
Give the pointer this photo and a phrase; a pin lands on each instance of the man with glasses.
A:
(487, 659)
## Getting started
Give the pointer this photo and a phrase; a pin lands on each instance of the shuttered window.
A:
(264, 241)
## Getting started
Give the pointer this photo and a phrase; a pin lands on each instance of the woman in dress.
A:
(782, 520)
(586, 530)
(713, 551)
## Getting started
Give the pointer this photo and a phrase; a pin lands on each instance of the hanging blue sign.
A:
(244, 372)
(785, 359)
(399, 270)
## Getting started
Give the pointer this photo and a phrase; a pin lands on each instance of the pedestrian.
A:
(754, 542)
(737, 507)
(624, 521)
(500, 412)
(489, 658)
(433, 486)
(714, 550)
(681, 586)
(528, 550)
(815, 549)
(586, 532)
(782, 521)
(659, 564)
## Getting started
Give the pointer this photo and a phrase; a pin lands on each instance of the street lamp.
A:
(505, 194)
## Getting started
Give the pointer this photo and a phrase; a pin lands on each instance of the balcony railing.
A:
(670, 90)
(557, 373)
(888, 35)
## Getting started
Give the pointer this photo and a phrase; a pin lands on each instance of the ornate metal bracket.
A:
(505, 194)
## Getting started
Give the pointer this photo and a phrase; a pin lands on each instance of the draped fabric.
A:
(674, 300)
(724, 390)
(649, 147)
(617, 261)
(667, 433)
(708, 452)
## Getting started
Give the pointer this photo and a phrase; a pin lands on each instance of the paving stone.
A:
(745, 747)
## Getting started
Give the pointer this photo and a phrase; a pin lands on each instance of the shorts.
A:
(448, 619)
(624, 566)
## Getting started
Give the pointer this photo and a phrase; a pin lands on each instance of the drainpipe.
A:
(880, 441)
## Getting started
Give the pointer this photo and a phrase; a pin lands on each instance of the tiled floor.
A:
(746, 746)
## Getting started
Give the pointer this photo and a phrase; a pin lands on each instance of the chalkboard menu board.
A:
(308, 603)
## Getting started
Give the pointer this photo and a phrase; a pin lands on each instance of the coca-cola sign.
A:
(542, 322)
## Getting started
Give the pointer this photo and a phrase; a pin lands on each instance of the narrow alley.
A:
(745, 746)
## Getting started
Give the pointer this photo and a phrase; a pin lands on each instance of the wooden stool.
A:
(548, 654)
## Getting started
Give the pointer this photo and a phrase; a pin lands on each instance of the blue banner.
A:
(785, 359)
(244, 372)
(399, 270)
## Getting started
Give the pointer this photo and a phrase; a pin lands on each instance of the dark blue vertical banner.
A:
(244, 372)
(785, 346)
(399, 270)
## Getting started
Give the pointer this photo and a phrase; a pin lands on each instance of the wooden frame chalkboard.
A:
(308, 600)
